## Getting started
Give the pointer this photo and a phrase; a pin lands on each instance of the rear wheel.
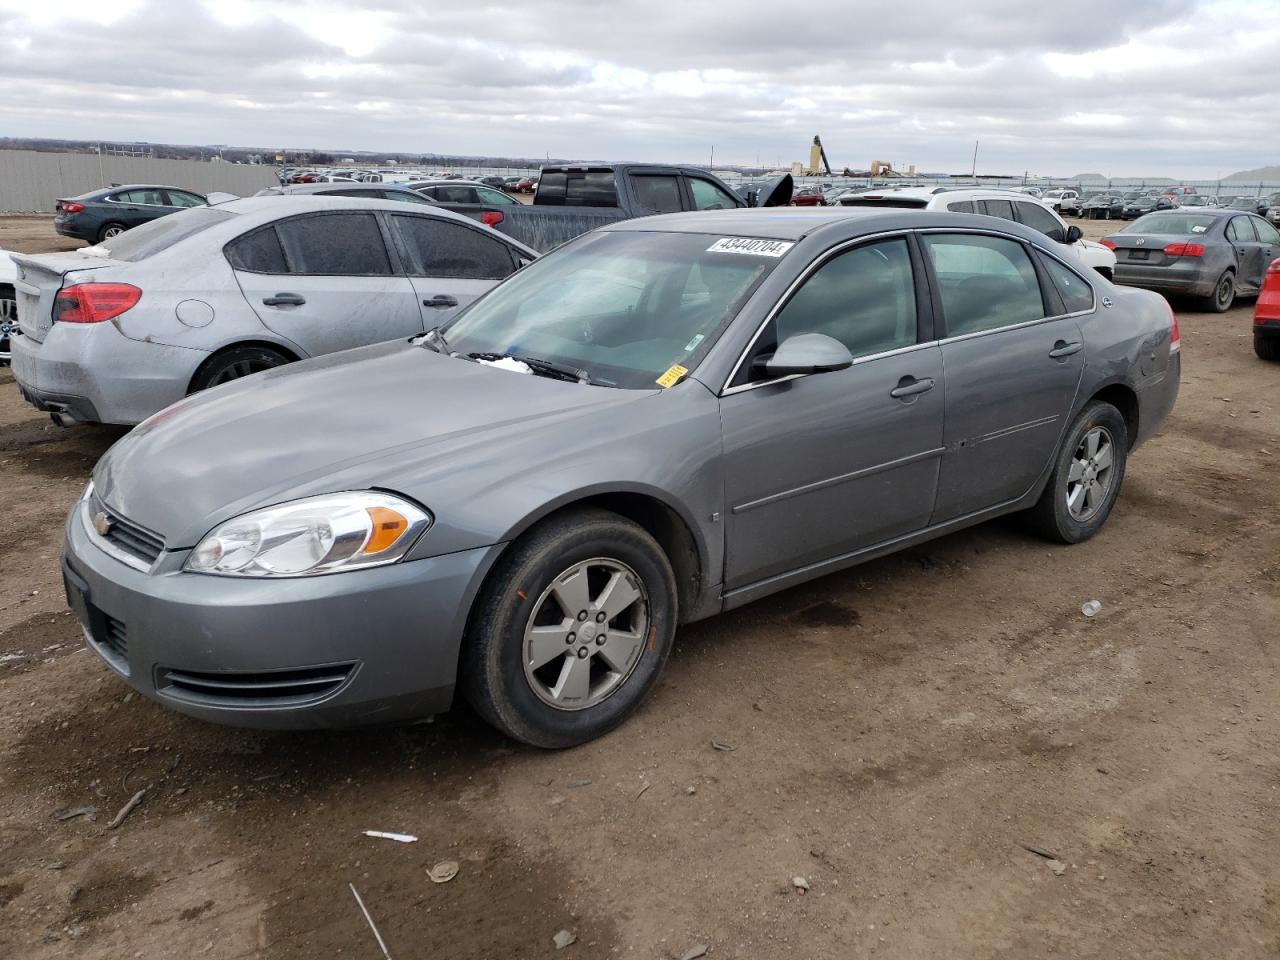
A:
(1224, 293)
(8, 320)
(1267, 348)
(235, 363)
(1086, 476)
(571, 630)
(110, 230)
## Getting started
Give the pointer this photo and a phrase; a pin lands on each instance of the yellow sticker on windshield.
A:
(672, 376)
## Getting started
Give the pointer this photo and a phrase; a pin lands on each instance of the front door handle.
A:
(1064, 349)
(284, 300)
(909, 386)
(441, 300)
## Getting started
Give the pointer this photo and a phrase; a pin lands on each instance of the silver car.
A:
(661, 420)
(116, 332)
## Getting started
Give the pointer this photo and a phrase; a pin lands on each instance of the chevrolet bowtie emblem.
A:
(102, 523)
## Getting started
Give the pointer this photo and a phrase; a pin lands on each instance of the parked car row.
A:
(663, 419)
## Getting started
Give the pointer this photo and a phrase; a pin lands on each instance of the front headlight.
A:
(326, 534)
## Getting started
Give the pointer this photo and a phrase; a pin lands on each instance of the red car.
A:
(1266, 316)
(527, 185)
(808, 197)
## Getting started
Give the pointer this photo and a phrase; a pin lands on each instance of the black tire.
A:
(493, 674)
(109, 230)
(233, 364)
(1224, 293)
(1050, 517)
(1267, 348)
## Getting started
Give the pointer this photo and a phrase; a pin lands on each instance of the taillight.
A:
(1175, 338)
(68, 206)
(1275, 267)
(1109, 244)
(1185, 250)
(93, 302)
(491, 218)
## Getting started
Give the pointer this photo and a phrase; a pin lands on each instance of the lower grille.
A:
(115, 637)
(277, 688)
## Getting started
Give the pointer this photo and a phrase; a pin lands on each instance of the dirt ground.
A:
(902, 734)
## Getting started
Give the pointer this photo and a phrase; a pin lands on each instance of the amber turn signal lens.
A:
(388, 526)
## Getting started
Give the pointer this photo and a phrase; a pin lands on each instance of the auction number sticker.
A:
(754, 248)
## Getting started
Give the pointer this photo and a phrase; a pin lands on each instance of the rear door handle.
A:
(909, 386)
(1064, 349)
(441, 300)
(284, 300)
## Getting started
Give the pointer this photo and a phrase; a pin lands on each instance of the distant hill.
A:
(1088, 176)
(1262, 173)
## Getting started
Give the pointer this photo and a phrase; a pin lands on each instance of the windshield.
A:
(623, 307)
(150, 238)
(1176, 224)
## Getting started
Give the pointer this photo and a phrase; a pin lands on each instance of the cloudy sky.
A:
(1183, 88)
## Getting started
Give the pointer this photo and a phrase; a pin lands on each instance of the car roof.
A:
(302, 189)
(794, 223)
(440, 181)
(140, 186)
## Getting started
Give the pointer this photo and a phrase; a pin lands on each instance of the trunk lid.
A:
(39, 279)
(1148, 249)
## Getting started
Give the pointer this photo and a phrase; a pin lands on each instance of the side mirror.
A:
(1074, 233)
(805, 353)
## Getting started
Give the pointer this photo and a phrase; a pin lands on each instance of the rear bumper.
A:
(1156, 399)
(1190, 280)
(97, 375)
(71, 228)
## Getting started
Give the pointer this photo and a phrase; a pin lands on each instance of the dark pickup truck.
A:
(572, 200)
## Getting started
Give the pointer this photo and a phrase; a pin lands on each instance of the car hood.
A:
(340, 422)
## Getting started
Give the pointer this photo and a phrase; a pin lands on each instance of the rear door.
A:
(1013, 357)
(135, 207)
(1269, 241)
(326, 281)
(1249, 253)
(449, 264)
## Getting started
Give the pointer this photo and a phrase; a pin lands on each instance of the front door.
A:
(826, 464)
(1012, 372)
(326, 282)
(450, 264)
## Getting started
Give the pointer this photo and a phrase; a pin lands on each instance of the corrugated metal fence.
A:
(30, 181)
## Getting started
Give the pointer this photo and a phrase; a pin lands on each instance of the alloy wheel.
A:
(8, 325)
(586, 634)
(241, 368)
(1090, 475)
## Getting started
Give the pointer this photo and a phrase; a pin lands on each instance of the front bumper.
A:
(344, 650)
(96, 374)
(1191, 280)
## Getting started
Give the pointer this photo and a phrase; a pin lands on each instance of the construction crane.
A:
(816, 153)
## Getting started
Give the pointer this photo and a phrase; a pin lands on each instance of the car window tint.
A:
(657, 194)
(578, 188)
(454, 194)
(1038, 218)
(490, 195)
(178, 198)
(405, 196)
(986, 282)
(1266, 232)
(997, 208)
(439, 248)
(707, 196)
(335, 244)
(1241, 230)
(258, 252)
(960, 206)
(865, 298)
(1077, 296)
(154, 197)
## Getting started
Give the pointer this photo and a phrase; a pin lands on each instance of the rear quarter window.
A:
(1077, 296)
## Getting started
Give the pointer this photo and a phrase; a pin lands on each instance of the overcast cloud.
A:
(1178, 88)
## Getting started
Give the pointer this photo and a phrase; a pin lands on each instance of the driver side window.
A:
(864, 297)
(707, 196)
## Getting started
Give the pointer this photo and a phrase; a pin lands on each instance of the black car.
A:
(1102, 206)
(101, 214)
(1140, 206)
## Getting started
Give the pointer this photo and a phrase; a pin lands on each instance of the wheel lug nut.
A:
(600, 617)
(582, 614)
(582, 653)
(570, 638)
(600, 640)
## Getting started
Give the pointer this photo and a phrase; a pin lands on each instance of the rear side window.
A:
(578, 188)
(961, 206)
(335, 244)
(1076, 295)
(180, 198)
(997, 208)
(258, 252)
(986, 282)
(657, 194)
(439, 248)
(452, 194)
(1038, 218)
(150, 238)
(1266, 232)
(1241, 230)
(864, 298)
(146, 197)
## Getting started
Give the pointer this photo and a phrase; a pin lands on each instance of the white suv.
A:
(1005, 204)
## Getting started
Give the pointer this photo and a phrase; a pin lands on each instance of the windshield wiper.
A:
(545, 368)
(434, 339)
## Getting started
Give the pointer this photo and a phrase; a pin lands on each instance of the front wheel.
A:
(1086, 476)
(571, 630)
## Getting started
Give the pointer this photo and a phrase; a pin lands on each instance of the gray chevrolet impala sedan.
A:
(662, 420)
